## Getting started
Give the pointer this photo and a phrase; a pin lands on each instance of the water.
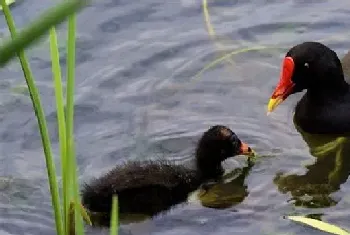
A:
(137, 98)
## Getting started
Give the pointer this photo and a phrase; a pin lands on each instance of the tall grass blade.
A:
(8, 3)
(34, 94)
(38, 28)
(114, 218)
(323, 226)
(70, 74)
(70, 79)
(56, 71)
(76, 197)
(70, 219)
(71, 164)
(71, 216)
(84, 214)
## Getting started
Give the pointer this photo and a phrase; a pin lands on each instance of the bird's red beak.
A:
(246, 150)
(285, 85)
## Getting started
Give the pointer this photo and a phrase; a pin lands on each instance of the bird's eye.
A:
(233, 138)
(306, 65)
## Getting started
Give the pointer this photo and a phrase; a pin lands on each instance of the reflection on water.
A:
(231, 191)
(324, 177)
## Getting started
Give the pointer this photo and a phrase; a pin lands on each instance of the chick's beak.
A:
(284, 87)
(246, 150)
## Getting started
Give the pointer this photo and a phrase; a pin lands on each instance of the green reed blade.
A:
(78, 216)
(34, 94)
(8, 3)
(36, 29)
(71, 161)
(70, 80)
(84, 214)
(56, 71)
(114, 218)
(70, 73)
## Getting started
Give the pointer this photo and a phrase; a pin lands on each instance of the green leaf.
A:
(38, 28)
(56, 71)
(8, 3)
(326, 227)
(114, 218)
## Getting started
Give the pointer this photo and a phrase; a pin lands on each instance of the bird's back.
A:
(142, 187)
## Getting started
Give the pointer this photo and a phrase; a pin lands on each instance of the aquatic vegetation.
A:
(8, 3)
(46, 22)
(323, 226)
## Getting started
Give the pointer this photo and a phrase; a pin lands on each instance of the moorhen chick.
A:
(150, 187)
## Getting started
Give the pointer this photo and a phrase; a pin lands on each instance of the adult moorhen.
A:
(325, 107)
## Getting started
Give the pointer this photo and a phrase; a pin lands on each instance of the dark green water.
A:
(137, 98)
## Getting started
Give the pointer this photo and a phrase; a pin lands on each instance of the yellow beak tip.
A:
(273, 103)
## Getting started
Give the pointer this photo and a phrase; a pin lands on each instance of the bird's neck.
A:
(335, 88)
(207, 168)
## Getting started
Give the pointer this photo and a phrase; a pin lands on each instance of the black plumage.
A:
(151, 187)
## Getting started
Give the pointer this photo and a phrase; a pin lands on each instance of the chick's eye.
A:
(235, 145)
(306, 65)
